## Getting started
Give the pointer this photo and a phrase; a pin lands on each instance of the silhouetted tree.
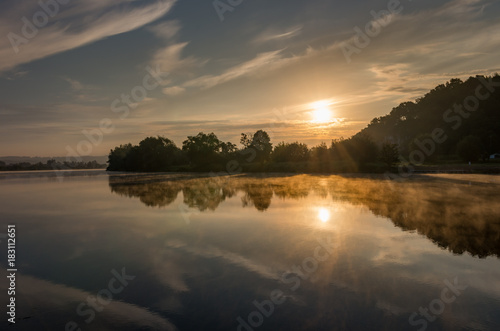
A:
(245, 140)
(203, 149)
(157, 154)
(152, 154)
(117, 157)
(290, 152)
(262, 144)
(228, 149)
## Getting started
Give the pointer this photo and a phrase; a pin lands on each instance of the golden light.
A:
(321, 111)
(324, 215)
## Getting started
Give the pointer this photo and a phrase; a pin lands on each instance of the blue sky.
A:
(260, 68)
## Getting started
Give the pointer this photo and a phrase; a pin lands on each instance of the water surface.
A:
(333, 252)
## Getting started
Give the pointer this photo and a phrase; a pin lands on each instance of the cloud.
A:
(75, 85)
(174, 90)
(170, 60)
(251, 67)
(166, 30)
(274, 35)
(79, 24)
(169, 57)
(436, 39)
(83, 93)
(13, 75)
(264, 271)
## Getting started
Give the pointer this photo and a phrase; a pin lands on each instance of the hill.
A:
(461, 115)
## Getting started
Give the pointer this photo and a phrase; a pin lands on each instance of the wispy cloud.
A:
(75, 85)
(170, 56)
(264, 271)
(166, 30)
(174, 90)
(84, 93)
(275, 35)
(89, 22)
(13, 75)
(170, 59)
(251, 67)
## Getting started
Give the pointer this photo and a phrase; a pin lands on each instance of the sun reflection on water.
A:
(323, 215)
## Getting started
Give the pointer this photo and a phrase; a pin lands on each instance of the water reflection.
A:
(461, 216)
(324, 215)
(244, 234)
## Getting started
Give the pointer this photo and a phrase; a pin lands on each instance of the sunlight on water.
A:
(323, 215)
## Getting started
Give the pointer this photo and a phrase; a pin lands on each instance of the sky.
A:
(81, 77)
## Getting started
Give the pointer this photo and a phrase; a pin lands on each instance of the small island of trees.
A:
(206, 152)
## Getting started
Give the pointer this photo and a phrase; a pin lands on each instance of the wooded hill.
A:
(467, 112)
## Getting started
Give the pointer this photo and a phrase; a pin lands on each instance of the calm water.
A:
(194, 253)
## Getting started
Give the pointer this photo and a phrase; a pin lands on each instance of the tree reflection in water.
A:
(461, 216)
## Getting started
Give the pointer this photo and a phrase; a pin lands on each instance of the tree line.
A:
(50, 165)
(384, 143)
(206, 152)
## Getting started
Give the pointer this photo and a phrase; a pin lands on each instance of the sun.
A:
(321, 111)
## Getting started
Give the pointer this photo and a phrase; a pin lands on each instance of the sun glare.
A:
(324, 215)
(321, 112)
